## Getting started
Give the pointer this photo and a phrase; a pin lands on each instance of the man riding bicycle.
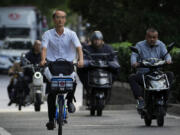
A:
(60, 43)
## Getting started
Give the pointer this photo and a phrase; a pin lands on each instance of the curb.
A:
(174, 109)
(114, 107)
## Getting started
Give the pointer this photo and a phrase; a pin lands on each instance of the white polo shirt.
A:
(63, 46)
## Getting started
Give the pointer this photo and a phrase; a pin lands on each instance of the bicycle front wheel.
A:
(60, 118)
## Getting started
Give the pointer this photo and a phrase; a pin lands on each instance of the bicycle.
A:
(61, 84)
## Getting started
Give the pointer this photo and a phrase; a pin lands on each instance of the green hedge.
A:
(174, 68)
(124, 60)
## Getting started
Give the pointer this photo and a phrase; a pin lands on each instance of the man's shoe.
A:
(140, 104)
(65, 121)
(50, 125)
(71, 107)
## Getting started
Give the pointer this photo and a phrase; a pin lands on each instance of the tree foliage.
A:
(44, 5)
(122, 20)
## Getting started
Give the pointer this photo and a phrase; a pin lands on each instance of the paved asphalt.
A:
(124, 122)
(121, 122)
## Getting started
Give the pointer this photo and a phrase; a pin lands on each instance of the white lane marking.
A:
(95, 125)
(3, 131)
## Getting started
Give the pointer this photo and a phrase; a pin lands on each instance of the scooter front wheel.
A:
(160, 116)
(160, 121)
(19, 107)
(20, 103)
(37, 104)
(99, 112)
(147, 121)
(92, 111)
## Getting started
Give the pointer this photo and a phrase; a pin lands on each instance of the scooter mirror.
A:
(23, 55)
(24, 59)
(170, 46)
(134, 49)
(86, 52)
(115, 52)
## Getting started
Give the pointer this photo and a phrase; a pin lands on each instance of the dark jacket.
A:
(33, 58)
(104, 49)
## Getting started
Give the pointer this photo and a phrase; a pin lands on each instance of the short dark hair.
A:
(151, 30)
(54, 13)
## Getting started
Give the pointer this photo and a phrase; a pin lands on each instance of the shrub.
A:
(124, 59)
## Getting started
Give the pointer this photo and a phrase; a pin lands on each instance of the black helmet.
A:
(96, 35)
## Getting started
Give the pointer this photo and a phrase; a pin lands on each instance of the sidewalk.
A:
(174, 109)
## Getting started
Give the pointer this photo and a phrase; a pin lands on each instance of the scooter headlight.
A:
(37, 75)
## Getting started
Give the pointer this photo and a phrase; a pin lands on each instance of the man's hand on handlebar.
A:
(43, 62)
(80, 63)
(135, 65)
(169, 62)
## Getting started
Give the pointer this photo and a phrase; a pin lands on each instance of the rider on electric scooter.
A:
(151, 47)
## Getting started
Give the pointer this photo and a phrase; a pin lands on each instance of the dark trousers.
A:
(136, 83)
(9, 89)
(51, 100)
